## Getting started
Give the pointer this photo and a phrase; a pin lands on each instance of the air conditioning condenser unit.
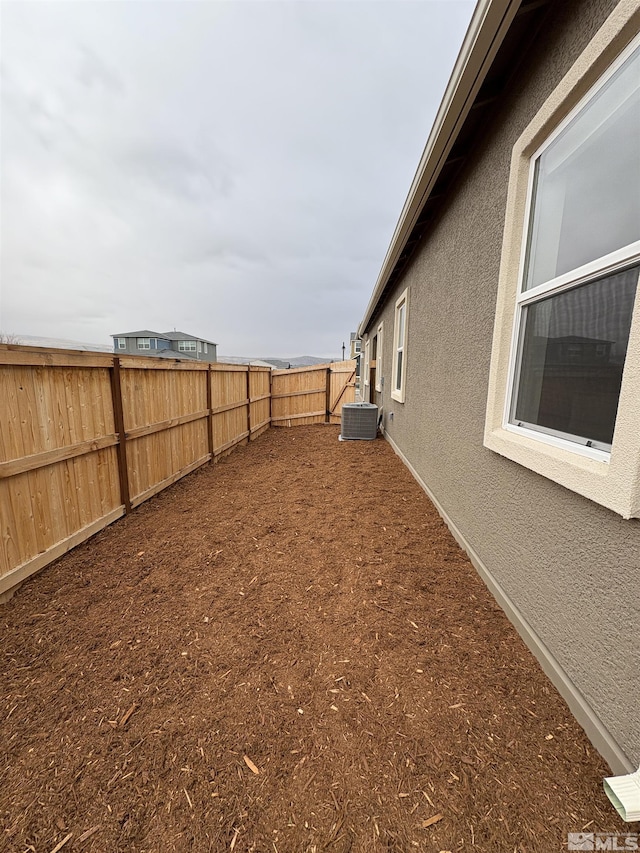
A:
(359, 421)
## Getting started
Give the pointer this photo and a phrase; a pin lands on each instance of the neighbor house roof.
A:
(492, 49)
(183, 336)
(143, 333)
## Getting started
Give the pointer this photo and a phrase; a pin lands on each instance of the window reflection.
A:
(572, 357)
(586, 199)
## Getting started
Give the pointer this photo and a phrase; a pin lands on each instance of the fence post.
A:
(118, 419)
(249, 401)
(209, 377)
(328, 395)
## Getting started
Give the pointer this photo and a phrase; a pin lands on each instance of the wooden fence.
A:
(86, 437)
(312, 395)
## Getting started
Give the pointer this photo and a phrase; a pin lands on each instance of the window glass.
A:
(586, 196)
(399, 371)
(401, 325)
(399, 345)
(572, 355)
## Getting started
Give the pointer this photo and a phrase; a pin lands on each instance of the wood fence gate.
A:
(312, 395)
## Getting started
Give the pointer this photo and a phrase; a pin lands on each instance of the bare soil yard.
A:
(272, 657)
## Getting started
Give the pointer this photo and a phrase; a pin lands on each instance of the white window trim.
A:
(399, 393)
(121, 343)
(612, 480)
(367, 366)
(143, 343)
(380, 338)
(186, 346)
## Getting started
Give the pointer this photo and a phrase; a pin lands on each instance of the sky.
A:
(231, 169)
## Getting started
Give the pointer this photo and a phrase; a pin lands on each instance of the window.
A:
(399, 348)
(199, 346)
(121, 343)
(357, 345)
(144, 343)
(367, 366)
(378, 357)
(204, 346)
(187, 346)
(565, 361)
(578, 291)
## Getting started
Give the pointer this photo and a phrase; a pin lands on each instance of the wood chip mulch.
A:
(286, 652)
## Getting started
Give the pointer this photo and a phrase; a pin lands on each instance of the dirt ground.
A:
(270, 657)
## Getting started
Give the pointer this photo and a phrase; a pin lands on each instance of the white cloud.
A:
(233, 169)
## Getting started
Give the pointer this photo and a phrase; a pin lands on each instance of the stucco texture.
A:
(571, 566)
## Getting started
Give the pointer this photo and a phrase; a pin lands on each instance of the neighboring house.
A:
(503, 338)
(164, 344)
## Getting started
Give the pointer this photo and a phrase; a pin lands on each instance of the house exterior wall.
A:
(566, 570)
(157, 344)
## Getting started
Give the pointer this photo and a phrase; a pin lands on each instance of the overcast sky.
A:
(231, 169)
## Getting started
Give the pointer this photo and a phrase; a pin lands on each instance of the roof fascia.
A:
(489, 25)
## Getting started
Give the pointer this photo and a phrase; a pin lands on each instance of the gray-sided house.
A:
(164, 345)
(502, 338)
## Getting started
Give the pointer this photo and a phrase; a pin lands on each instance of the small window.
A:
(121, 343)
(144, 343)
(399, 348)
(357, 346)
(199, 346)
(187, 346)
(378, 358)
(367, 365)
(204, 346)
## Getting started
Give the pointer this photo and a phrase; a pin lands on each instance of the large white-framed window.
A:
(565, 372)
(187, 346)
(144, 343)
(400, 347)
(379, 342)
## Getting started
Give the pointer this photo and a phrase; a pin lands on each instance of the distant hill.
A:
(278, 363)
(58, 343)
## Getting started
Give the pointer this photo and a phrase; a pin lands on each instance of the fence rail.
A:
(87, 437)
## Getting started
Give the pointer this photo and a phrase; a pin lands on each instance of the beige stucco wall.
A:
(570, 566)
